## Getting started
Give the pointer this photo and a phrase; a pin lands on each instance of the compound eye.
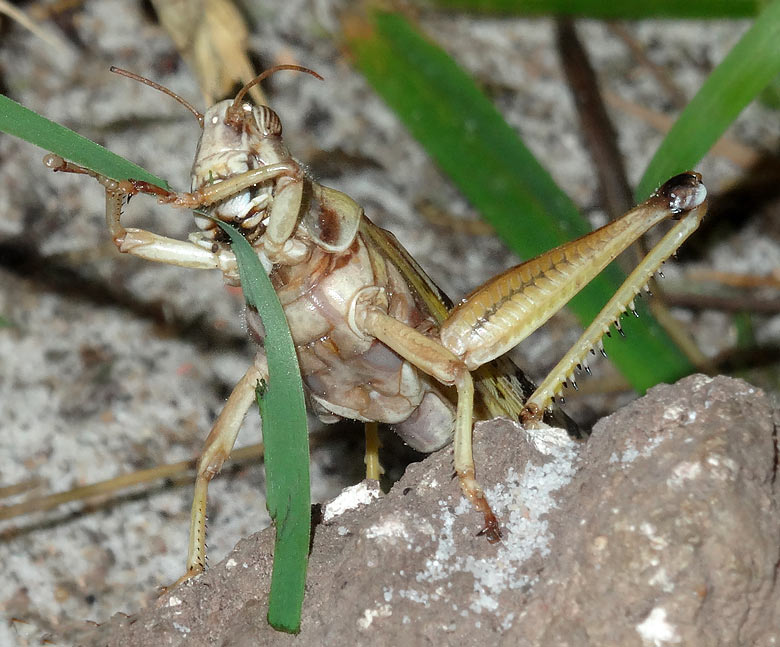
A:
(683, 192)
(268, 121)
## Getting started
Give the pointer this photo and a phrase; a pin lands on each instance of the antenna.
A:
(161, 88)
(269, 72)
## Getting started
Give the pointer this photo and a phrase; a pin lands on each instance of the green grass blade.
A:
(609, 10)
(286, 442)
(747, 69)
(454, 121)
(22, 122)
(282, 403)
(770, 95)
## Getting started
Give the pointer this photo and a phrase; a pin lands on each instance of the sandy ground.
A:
(112, 365)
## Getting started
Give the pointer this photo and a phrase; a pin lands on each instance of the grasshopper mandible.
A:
(377, 341)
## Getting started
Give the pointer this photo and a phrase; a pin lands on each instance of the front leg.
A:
(283, 213)
(163, 249)
(204, 196)
(139, 242)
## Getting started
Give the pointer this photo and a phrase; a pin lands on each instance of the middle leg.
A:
(431, 357)
(374, 468)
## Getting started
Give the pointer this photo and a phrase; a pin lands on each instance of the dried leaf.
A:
(211, 36)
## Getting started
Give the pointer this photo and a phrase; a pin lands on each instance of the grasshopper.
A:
(376, 339)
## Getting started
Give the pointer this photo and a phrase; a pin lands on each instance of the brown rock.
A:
(663, 529)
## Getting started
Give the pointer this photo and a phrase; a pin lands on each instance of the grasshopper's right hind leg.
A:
(509, 307)
(216, 450)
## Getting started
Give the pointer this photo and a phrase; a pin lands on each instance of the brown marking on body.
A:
(329, 224)
(345, 257)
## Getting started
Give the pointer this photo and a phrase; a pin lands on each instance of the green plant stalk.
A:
(286, 441)
(22, 122)
(609, 10)
(748, 68)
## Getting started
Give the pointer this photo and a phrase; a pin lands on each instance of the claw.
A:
(192, 572)
(491, 530)
(474, 493)
(531, 413)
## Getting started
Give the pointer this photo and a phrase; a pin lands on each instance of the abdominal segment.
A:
(348, 375)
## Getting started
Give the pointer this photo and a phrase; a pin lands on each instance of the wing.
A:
(501, 385)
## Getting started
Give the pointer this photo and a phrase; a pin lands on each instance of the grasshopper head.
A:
(237, 137)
